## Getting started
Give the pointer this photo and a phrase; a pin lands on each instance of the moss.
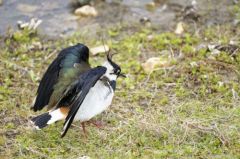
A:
(23, 36)
(164, 100)
(188, 50)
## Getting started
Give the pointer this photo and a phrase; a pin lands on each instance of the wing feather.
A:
(64, 62)
(85, 83)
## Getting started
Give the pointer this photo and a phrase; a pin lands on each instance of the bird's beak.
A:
(122, 75)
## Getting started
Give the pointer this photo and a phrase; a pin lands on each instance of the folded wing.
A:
(76, 93)
(61, 71)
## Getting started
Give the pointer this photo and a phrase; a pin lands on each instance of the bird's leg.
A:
(97, 123)
(84, 130)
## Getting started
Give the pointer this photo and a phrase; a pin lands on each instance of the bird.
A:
(84, 98)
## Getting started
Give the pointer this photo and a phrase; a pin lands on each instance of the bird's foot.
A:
(97, 123)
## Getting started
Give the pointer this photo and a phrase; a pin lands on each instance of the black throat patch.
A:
(113, 85)
(108, 83)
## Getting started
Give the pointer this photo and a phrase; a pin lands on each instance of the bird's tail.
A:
(48, 118)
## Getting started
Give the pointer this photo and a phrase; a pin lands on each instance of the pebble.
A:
(150, 6)
(179, 29)
(86, 10)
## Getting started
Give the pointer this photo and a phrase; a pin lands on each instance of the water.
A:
(56, 15)
(58, 18)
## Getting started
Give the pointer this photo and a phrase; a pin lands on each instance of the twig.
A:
(213, 130)
(50, 55)
(229, 66)
(37, 152)
(153, 95)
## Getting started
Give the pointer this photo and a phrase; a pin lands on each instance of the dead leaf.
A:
(99, 49)
(152, 63)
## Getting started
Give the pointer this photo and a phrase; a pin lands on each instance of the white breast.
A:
(97, 100)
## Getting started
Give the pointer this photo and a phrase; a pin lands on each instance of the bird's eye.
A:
(118, 72)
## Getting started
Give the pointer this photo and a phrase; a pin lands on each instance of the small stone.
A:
(1, 2)
(215, 52)
(194, 3)
(179, 29)
(151, 6)
(211, 47)
(232, 42)
(86, 10)
(99, 49)
(150, 37)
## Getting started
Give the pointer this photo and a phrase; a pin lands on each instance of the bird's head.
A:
(113, 70)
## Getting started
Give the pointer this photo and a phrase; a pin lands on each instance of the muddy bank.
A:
(58, 18)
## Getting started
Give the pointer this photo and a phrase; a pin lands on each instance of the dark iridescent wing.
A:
(61, 65)
(77, 93)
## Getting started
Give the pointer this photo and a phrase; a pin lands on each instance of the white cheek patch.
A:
(109, 72)
(111, 77)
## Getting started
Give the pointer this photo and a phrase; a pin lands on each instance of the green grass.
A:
(188, 110)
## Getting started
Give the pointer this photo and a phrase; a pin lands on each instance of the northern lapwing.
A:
(73, 91)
